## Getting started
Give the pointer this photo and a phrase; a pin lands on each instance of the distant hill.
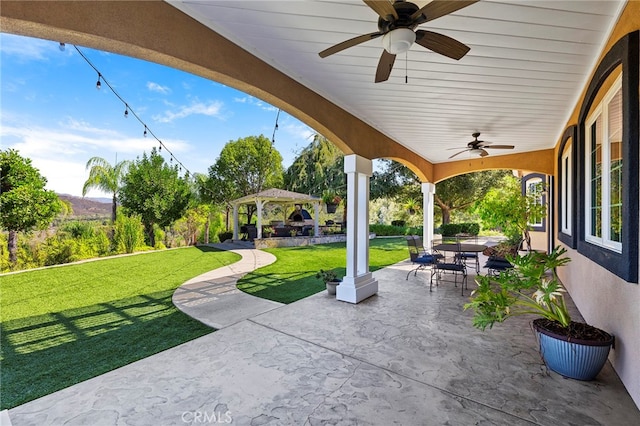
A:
(88, 207)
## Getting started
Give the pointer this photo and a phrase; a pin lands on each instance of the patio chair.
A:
(455, 267)
(419, 255)
(497, 264)
(470, 259)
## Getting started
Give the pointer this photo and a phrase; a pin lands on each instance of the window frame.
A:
(567, 191)
(625, 53)
(535, 178)
(601, 111)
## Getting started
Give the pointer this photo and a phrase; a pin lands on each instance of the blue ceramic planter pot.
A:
(573, 358)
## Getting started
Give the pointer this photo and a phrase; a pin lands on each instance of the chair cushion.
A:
(498, 264)
(426, 258)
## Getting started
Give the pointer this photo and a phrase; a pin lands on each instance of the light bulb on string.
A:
(61, 46)
(145, 131)
(98, 84)
(126, 111)
(160, 148)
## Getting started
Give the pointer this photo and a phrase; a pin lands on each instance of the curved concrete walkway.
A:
(213, 299)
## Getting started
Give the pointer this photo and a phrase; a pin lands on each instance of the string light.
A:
(128, 109)
(62, 47)
(273, 137)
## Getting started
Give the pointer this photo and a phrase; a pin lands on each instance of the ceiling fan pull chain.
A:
(406, 67)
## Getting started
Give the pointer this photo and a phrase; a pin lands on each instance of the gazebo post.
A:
(259, 204)
(235, 222)
(316, 219)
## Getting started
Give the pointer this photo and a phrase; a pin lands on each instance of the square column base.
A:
(356, 289)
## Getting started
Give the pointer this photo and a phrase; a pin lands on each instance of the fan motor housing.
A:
(404, 9)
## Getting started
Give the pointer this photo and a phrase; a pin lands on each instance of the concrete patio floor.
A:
(405, 356)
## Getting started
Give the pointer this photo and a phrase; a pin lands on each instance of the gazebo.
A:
(278, 196)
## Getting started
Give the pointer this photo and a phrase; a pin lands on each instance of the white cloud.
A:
(250, 100)
(26, 48)
(299, 130)
(211, 109)
(155, 87)
(61, 154)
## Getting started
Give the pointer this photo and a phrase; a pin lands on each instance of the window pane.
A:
(596, 178)
(615, 174)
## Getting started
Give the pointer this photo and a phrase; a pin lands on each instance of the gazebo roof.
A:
(276, 195)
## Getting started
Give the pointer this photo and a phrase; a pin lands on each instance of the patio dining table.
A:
(462, 247)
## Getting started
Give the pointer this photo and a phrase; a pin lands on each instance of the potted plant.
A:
(293, 232)
(573, 349)
(331, 199)
(267, 231)
(330, 279)
(412, 206)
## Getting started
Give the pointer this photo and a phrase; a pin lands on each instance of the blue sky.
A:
(51, 112)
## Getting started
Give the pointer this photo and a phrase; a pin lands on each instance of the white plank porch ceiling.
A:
(528, 63)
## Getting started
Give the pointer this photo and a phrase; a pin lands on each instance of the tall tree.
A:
(394, 180)
(460, 192)
(318, 168)
(154, 190)
(506, 207)
(24, 203)
(245, 166)
(107, 178)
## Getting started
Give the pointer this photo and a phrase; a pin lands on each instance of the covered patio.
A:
(535, 73)
(405, 356)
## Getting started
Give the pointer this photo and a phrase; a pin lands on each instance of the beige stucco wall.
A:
(605, 300)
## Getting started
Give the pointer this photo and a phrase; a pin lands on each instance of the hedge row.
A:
(453, 229)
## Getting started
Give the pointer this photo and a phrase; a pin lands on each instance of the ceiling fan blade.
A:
(498, 147)
(438, 8)
(382, 8)
(458, 153)
(384, 66)
(483, 153)
(348, 43)
(441, 44)
(461, 147)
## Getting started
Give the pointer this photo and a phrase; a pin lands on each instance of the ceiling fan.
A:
(396, 26)
(479, 147)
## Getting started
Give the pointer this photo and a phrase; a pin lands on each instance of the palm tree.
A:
(105, 177)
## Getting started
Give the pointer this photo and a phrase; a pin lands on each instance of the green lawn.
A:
(292, 276)
(64, 325)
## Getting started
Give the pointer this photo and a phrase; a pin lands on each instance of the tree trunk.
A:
(12, 244)
(446, 215)
(150, 234)
(114, 209)
(206, 229)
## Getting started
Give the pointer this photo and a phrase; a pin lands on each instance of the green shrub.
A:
(398, 222)
(224, 236)
(128, 235)
(386, 230)
(452, 229)
(77, 229)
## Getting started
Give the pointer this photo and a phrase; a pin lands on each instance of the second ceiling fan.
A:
(479, 147)
(396, 25)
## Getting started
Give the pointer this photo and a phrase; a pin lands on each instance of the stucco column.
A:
(235, 222)
(358, 284)
(428, 193)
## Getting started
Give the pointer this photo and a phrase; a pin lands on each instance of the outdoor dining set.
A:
(452, 256)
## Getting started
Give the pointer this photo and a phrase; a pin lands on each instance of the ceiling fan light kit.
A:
(398, 41)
